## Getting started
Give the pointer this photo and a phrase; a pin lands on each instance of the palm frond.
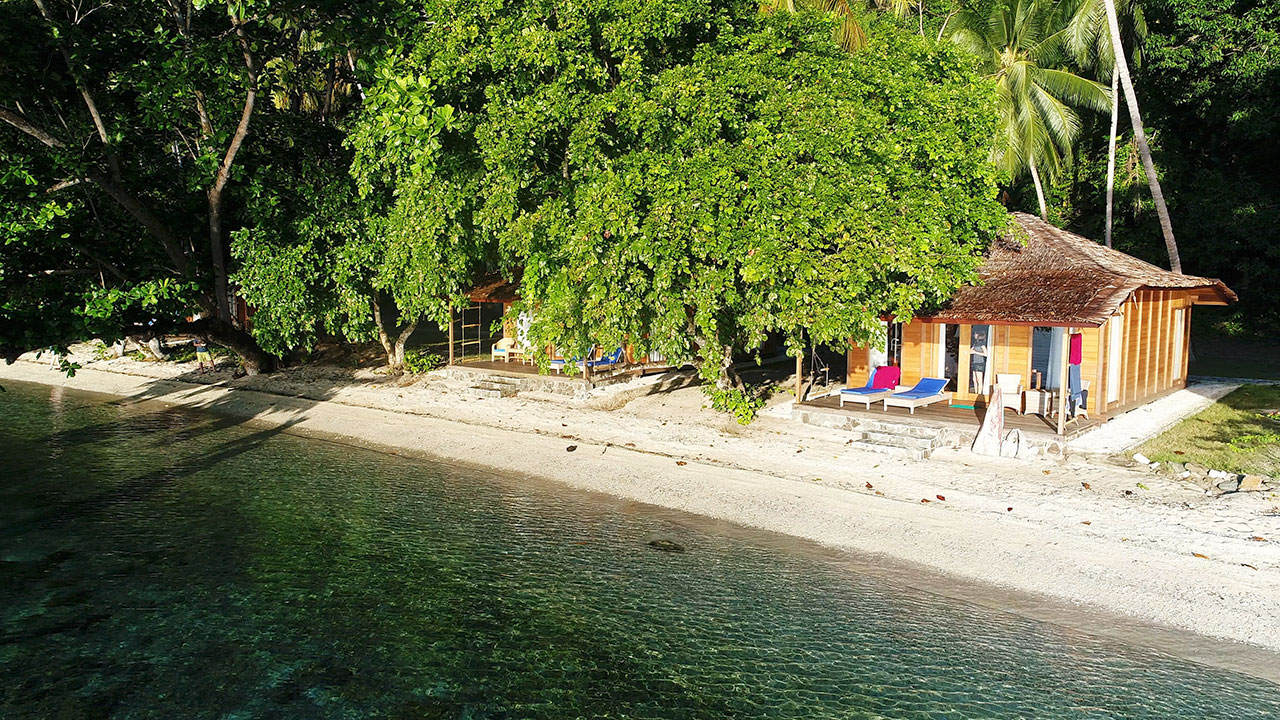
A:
(975, 44)
(1061, 122)
(1074, 90)
(898, 8)
(776, 6)
(849, 34)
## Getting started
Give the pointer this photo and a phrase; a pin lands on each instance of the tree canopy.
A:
(685, 176)
(688, 176)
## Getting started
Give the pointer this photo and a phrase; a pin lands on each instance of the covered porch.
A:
(964, 420)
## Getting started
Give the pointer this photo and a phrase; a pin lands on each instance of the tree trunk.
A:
(393, 346)
(1035, 178)
(1111, 148)
(384, 338)
(729, 378)
(220, 287)
(1140, 135)
(155, 350)
(254, 359)
(401, 340)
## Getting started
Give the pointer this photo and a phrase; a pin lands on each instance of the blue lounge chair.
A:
(609, 360)
(879, 386)
(926, 392)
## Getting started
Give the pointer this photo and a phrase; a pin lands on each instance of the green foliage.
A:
(305, 252)
(420, 361)
(97, 213)
(742, 404)
(1254, 440)
(1023, 44)
(691, 176)
(427, 252)
(139, 303)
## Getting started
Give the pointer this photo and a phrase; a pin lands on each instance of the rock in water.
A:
(666, 546)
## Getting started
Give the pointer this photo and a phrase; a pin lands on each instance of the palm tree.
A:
(1021, 42)
(849, 33)
(1140, 136)
(1089, 40)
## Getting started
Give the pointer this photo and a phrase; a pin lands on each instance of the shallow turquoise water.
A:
(167, 564)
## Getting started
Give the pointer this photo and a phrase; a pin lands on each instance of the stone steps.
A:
(905, 441)
(493, 387)
(890, 448)
(478, 378)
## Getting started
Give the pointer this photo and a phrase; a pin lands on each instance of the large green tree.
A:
(689, 176)
(127, 128)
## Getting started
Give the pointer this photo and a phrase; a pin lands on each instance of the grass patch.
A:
(1240, 433)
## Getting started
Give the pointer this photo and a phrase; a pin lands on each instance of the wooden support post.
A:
(1101, 343)
(1063, 387)
(799, 376)
(451, 324)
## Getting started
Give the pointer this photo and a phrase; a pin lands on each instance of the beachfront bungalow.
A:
(1058, 301)
(490, 299)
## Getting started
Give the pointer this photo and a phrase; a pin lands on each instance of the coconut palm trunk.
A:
(1144, 150)
(1111, 148)
(1035, 178)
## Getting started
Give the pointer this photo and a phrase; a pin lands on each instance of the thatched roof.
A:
(1060, 278)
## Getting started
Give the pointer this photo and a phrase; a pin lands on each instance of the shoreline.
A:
(1142, 590)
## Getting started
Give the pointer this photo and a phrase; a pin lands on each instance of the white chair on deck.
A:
(1011, 388)
(503, 349)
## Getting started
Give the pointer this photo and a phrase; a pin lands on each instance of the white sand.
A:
(1134, 558)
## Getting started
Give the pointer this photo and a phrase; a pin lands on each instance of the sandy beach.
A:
(1120, 543)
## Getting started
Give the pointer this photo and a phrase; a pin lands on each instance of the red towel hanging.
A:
(1077, 349)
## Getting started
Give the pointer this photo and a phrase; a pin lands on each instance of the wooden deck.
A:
(941, 414)
(515, 367)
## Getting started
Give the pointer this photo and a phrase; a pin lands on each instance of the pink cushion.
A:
(887, 377)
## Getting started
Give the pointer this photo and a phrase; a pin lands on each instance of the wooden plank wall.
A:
(1090, 362)
(859, 367)
(914, 349)
(1148, 366)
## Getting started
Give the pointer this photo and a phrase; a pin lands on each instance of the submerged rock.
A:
(666, 546)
